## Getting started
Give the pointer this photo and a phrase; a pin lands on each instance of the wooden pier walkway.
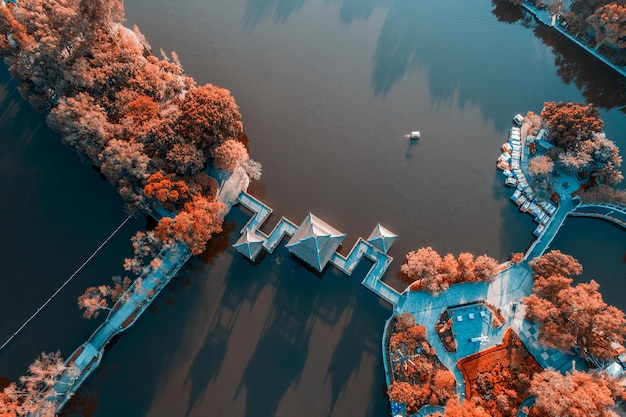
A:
(374, 249)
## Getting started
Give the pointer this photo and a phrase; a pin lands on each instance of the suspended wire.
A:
(64, 284)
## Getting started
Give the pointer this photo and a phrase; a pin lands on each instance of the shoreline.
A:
(542, 16)
(513, 283)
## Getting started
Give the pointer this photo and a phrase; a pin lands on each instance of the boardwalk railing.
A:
(122, 316)
(615, 213)
(374, 248)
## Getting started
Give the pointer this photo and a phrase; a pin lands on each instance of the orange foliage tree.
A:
(229, 154)
(427, 270)
(169, 192)
(419, 377)
(465, 409)
(210, 116)
(571, 122)
(498, 379)
(572, 316)
(575, 394)
(609, 24)
(194, 225)
(29, 397)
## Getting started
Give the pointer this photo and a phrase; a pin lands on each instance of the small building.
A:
(382, 238)
(314, 242)
(249, 245)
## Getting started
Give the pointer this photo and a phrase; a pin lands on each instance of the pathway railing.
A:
(122, 316)
(615, 213)
(254, 240)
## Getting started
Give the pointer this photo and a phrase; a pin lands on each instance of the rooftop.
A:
(315, 241)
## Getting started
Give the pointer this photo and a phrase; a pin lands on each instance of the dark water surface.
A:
(328, 90)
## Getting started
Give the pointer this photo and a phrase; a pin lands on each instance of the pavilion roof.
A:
(249, 245)
(382, 238)
(315, 241)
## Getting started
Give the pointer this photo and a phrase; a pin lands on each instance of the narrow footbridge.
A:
(615, 213)
(316, 242)
(122, 316)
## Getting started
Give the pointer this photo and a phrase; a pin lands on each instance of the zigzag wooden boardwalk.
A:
(374, 249)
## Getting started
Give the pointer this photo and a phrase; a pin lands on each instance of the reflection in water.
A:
(507, 12)
(277, 10)
(347, 357)
(286, 334)
(576, 66)
(351, 10)
(210, 358)
(280, 10)
(399, 47)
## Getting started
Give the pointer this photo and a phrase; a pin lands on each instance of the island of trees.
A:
(147, 127)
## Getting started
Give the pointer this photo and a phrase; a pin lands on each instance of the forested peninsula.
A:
(146, 126)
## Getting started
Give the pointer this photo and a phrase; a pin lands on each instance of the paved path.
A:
(544, 17)
(123, 315)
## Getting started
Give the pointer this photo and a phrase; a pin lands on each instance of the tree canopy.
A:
(139, 119)
(572, 316)
(575, 394)
(571, 122)
(581, 147)
(427, 270)
(29, 397)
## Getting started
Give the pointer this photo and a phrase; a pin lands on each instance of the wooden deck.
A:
(362, 249)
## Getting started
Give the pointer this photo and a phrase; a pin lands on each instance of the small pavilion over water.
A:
(382, 238)
(249, 244)
(315, 242)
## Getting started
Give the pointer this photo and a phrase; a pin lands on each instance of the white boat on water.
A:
(415, 134)
(510, 181)
(507, 173)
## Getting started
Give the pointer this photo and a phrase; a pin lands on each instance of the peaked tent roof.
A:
(249, 245)
(382, 238)
(315, 241)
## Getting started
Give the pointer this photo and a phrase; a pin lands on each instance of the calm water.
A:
(328, 90)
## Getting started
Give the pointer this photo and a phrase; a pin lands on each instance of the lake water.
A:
(328, 90)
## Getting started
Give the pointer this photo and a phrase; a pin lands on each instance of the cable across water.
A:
(65, 283)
